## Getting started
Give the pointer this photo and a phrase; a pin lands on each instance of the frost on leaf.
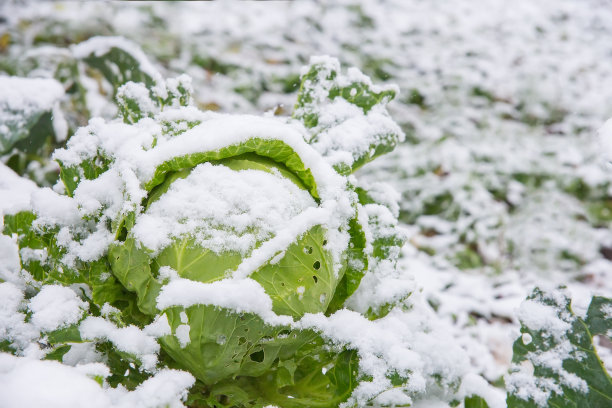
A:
(555, 362)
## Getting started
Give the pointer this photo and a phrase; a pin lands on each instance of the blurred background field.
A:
(501, 180)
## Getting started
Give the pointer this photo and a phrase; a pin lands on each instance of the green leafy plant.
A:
(221, 232)
(555, 363)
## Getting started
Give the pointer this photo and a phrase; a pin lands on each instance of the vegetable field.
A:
(306, 204)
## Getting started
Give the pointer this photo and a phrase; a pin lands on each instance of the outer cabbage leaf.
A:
(303, 280)
(136, 101)
(31, 124)
(43, 262)
(88, 169)
(28, 135)
(59, 63)
(131, 265)
(475, 401)
(276, 150)
(288, 369)
(567, 371)
(224, 344)
(321, 378)
(384, 246)
(356, 266)
(60, 341)
(326, 102)
(118, 60)
(46, 266)
(382, 250)
(599, 316)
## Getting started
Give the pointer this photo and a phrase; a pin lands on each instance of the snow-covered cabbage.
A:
(216, 243)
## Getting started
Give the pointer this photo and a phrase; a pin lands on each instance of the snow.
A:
(15, 191)
(344, 131)
(54, 209)
(165, 389)
(299, 225)
(22, 102)
(476, 385)
(159, 327)
(29, 383)
(129, 339)
(539, 317)
(412, 345)
(10, 266)
(353, 136)
(605, 138)
(13, 326)
(524, 385)
(139, 93)
(182, 334)
(222, 209)
(131, 144)
(82, 353)
(55, 307)
(553, 360)
(241, 295)
(526, 338)
(22, 98)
